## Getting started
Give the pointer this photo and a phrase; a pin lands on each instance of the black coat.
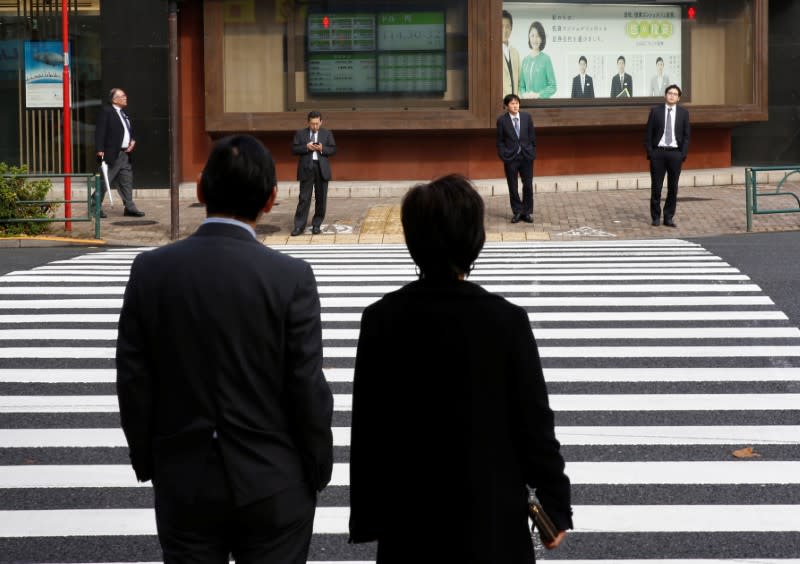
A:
(450, 422)
(508, 144)
(656, 121)
(109, 133)
(588, 88)
(304, 163)
(221, 333)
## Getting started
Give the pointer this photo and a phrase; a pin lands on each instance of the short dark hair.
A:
(540, 30)
(507, 16)
(670, 87)
(659, 60)
(314, 114)
(238, 178)
(582, 58)
(443, 226)
(621, 58)
(508, 99)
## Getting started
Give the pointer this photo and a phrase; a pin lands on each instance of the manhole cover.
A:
(693, 199)
(135, 222)
(267, 229)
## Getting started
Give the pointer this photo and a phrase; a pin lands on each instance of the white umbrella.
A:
(104, 170)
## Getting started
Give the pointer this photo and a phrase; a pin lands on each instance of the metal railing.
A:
(753, 193)
(92, 213)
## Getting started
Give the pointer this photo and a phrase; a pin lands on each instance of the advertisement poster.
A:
(44, 67)
(590, 50)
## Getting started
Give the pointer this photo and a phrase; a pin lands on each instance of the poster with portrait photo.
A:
(621, 51)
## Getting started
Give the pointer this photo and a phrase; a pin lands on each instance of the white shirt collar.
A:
(231, 221)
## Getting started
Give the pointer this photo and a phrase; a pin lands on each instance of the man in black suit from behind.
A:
(219, 377)
(622, 83)
(314, 144)
(582, 84)
(114, 143)
(667, 144)
(516, 147)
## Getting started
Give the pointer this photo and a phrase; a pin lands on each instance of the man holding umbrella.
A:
(114, 142)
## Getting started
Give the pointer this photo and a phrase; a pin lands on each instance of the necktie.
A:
(516, 125)
(126, 120)
(668, 128)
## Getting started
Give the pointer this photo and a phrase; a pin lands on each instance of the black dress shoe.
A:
(527, 218)
(516, 217)
(655, 223)
(296, 231)
(133, 212)
(316, 230)
(669, 223)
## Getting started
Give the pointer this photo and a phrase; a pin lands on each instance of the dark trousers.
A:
(319, 186)
(211, 528)
(520, 167)
(120, 176)
(664, 162)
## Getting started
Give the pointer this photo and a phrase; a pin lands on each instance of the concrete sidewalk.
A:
(567, 208)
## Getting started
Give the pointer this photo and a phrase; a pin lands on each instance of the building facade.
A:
(411, 89)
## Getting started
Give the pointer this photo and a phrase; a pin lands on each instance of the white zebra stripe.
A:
(613, 473)
(569, 435)
(334, 520)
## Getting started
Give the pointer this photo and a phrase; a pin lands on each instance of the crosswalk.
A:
(674, 378)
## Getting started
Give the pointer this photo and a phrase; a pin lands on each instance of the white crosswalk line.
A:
(333, 520)
(643, 344)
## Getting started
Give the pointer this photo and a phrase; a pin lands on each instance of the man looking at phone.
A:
(314, 144)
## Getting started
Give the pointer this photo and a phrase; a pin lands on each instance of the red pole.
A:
(67, 116)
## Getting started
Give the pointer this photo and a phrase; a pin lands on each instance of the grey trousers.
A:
(120, 176)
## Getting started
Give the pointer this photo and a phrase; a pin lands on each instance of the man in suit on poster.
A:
(582, 85)
(219, 377)
(510, 58)
(516, 147)
(114, 142)
(314, 145)
(622, 83)
(667, 144)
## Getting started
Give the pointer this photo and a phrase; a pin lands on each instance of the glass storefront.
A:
(31, 65)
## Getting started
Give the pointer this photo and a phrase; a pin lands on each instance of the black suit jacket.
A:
(617, 87)
(304, 164)
(219, 333)
(450, 421)
(508, 144)
(109, 133)
(588, 90)
(656, 122)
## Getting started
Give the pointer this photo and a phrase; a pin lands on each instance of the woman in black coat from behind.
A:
(451, 421)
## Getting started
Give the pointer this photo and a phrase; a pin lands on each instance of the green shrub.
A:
(14, 191)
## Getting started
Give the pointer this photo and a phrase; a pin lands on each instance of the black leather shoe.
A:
(133, 212)
(669, 223)
(296, 231)
(527, 218)
(515, 218)
(316, 230)
(655, 223)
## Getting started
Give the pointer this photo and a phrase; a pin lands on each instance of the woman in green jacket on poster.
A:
(537, 78)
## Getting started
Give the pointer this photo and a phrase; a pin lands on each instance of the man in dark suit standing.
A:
(622, 83)
(219, 377)
(667, 144)
(114, 143)
(516, 147)
(314, 144)
(582, 85)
